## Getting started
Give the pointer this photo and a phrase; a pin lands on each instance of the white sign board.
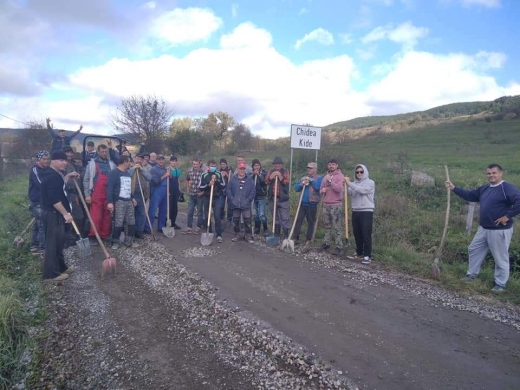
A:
(305, 137)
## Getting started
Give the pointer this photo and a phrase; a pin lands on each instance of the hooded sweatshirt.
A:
(334, 194)
(362, 191)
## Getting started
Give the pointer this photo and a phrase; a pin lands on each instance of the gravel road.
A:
(245, 316)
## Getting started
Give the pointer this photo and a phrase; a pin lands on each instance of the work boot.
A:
(257, 228)
(277, 230)
(266, 230)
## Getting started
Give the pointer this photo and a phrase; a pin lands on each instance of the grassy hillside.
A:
(500, 106)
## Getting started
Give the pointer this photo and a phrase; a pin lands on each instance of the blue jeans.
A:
(38, 230)
(260, 211)
(140, 214)
(158, 201)
(195, 201)
(216, 215)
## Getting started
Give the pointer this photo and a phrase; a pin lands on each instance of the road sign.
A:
(305, 137)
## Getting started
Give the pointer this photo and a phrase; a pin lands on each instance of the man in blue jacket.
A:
(160, 174)
(310, 185)
(499, 203)
(43, 159)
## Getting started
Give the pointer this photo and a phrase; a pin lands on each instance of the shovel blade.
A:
(83, 245)
(168, 232)
(272, 240)
(206, 239)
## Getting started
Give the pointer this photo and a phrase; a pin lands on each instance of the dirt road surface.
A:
(245, 316)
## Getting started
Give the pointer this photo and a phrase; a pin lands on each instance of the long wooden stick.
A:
(435, 266)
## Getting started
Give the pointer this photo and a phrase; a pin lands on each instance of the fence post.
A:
(469, 219)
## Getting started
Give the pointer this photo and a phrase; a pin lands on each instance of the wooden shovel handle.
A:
(76, 228)
(346, 210)
(274, 196)
(101, 244)
(210, 204)
(296, 215)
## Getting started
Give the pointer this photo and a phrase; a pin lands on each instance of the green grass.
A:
(19, 285)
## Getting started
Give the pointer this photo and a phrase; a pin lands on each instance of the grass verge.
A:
(20, 287)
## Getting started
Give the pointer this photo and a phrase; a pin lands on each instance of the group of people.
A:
(117, 188)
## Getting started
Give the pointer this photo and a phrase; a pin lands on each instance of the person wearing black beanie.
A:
(259, 204)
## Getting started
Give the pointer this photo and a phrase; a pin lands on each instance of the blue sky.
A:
(268, 63)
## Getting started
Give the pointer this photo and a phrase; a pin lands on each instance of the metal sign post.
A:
(304, 137)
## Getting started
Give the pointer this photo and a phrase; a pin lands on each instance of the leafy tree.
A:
(242, 136)
(146, 116)
(218, 124)
(179, 124)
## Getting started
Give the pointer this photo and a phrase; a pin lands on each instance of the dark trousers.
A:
(140, 215)
(215, 209)
(224, 200)
(174, 206)
(362, 222)
(54, 260)
(308, 213)
(246, 216)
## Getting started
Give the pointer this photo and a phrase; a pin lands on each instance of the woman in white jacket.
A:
(362, 192)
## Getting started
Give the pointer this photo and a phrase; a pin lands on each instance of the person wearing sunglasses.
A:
(362, 191)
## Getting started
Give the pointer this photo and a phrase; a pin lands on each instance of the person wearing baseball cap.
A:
(88, 154)
(43, 159)
(56, 213)
(282, 203)
(310, 185)
(241, 192)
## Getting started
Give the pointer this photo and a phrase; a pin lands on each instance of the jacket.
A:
(334, 194)
(362, 192)
(283, 185)
(241, 192)
(206, 188)
(261, 187)
(90, 176)
(311, 194)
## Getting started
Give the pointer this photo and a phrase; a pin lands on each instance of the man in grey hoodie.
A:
(362, 192)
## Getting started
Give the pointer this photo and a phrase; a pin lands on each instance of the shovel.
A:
(109, 264)
(83, 244)
(253, 208)
(207, 238)
(288, 242)
(308, 245)
(346, 218)
(273, 240)
(19, 240)
(435, 266)
(168, 230)
(146, 208)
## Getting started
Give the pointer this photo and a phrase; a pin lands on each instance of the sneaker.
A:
(131, 244)
(177, 227)
(34, 249)
(336, 251)
(250, 240)
(187, 231)
(498, 289)
(197, 230)
(115, 246)
(93, 242)
(324, 247)
(236, 238)
(366, 260)
(60, 278)
(469, 279)
(69, 270)
(219, 239)
(354, 256)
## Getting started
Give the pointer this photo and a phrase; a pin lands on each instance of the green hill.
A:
(498, 107)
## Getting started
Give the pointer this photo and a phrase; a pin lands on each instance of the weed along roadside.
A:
(22, 305)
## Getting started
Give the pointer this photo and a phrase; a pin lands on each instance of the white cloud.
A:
(485, 3)
(420, 80)
(319, 35)
(303, 11)
(406, 34)
(234, 10)
(150, 5)
(246, 35)
(186, 26)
